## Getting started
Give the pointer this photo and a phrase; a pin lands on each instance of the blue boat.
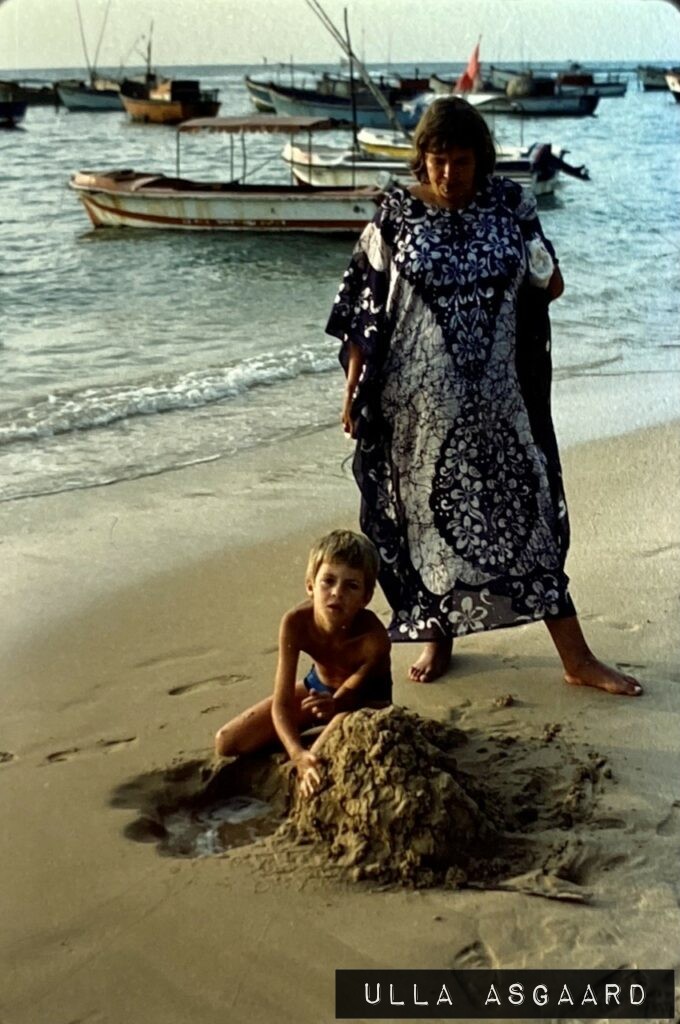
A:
(294, 102)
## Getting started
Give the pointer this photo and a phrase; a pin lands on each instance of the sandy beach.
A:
(138, 617)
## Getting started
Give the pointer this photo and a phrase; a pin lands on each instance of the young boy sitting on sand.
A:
(350, 653)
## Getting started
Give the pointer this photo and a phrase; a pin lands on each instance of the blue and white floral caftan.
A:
(456, 459)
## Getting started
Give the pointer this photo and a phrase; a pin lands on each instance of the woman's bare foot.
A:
(595, 673)
(581, 667)
(433, 662)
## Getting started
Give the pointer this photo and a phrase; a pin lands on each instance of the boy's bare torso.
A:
(338, 655)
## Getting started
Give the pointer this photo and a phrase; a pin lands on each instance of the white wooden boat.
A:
(333, 167)
(382, 144)
(134, 199)
(673, 83)
(535, 167)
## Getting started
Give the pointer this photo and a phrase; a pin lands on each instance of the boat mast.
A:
(149, 76)
(353, 98)
(101, 36)
(84, 42)
(315, 5)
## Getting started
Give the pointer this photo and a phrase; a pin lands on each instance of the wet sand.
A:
(138, 617)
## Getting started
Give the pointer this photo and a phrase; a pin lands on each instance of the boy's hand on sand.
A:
(307, 766)
(322, 706)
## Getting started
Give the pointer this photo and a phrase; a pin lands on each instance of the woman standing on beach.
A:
(442, 315)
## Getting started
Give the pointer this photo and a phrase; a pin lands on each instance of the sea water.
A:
(129, 353)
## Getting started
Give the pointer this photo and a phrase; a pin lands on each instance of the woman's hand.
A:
(348, 423)
(355, 368)
(307, 767)
(555, 285)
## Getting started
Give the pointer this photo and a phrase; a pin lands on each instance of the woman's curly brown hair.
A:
(452, 121)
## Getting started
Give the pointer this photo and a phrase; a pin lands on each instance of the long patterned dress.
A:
(456, 459)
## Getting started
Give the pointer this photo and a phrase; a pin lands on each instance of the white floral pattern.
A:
(463, 504)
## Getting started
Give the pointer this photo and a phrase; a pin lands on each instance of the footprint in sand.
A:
(62, 755)
(670, 825)
(201, 684)
(626, 627)
(476, 955)
(113, 744)
(660, 551)
(6, 757)
(190, 654)
(610, 823)
(103, 745)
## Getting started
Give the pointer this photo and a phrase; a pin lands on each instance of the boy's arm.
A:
(377, 660)
(285, 709)
(284, 703)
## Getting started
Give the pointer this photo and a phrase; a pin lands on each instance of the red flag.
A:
(469, 80)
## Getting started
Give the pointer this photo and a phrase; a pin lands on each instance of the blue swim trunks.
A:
(378, 689)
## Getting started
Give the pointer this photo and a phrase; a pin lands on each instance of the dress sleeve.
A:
(527, 216)
(359, 309)
(541, 258)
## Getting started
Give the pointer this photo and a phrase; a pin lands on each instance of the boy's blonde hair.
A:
(348, 548)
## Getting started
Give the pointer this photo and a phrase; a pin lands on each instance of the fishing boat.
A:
(605, 85)
(12, 112)
(569, 103)
(574, 79)
(259, 94)
(673, 83)
(365, 111)
(168, 102)
(395, 89)
(535, 167)
(651, 78)
(34, 92)
(516, 94)
(378, 142)
(99, 94)
(134, 199)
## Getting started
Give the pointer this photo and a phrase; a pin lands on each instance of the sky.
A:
(45, 33)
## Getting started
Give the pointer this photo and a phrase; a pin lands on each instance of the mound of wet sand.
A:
(403, 800)
(392, 805)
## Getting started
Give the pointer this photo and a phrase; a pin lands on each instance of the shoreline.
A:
(140, 617)
(586, 407)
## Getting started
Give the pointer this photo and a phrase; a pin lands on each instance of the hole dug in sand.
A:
(404, 800)
(191, 810)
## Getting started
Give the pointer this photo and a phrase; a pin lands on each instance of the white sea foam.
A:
(93, 407)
